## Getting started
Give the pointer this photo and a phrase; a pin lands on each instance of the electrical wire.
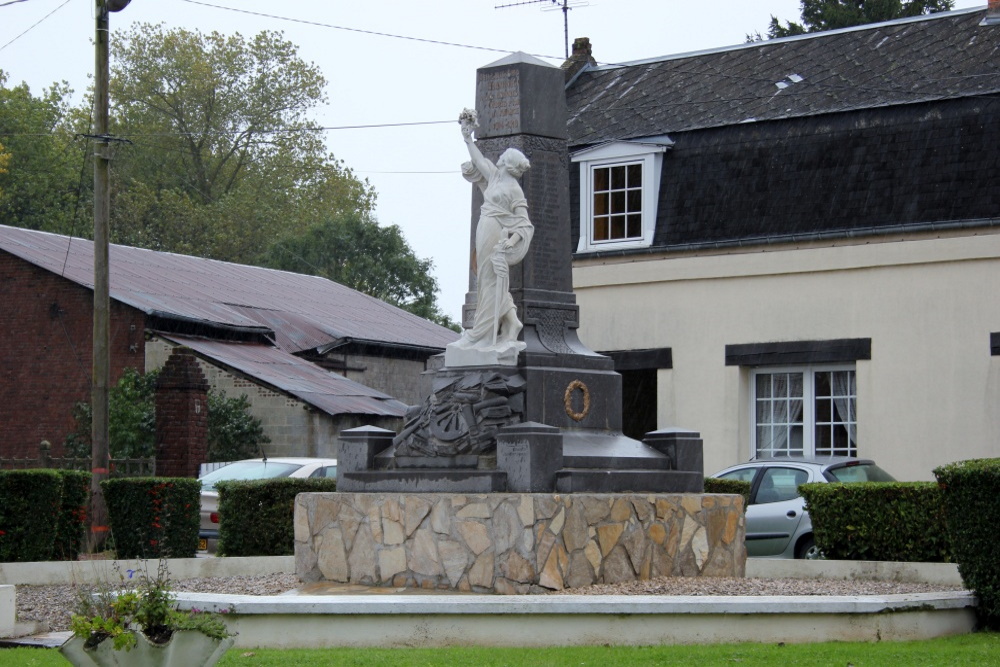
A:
(359, 30)
(35, 24)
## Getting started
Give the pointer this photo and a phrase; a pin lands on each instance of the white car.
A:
(778, 525)
(208, 534)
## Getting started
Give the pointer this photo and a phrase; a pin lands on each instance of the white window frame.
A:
(614, 154)
(808, 416)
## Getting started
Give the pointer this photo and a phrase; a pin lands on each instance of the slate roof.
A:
(908, 61)
(879, 129)
(301, 312)
(331, 393)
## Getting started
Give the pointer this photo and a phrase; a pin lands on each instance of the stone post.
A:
(530, 454)
(181, 416)
(684, 448)
(358, 447)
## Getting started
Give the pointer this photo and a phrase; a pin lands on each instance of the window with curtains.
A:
(805, 411)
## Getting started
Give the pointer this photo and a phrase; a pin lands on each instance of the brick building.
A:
(313, 356)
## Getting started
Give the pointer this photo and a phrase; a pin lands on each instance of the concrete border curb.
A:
(93, 571)
(325, 621)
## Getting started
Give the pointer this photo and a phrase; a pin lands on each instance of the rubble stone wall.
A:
(515, 543)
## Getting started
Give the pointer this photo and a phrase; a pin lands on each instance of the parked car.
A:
(777, 525)
(208, 534)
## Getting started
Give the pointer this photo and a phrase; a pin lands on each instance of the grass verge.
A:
(979, 649)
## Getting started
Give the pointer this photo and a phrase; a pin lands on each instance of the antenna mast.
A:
(564, 5)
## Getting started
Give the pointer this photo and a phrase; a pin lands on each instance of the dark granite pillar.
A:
(521, 103)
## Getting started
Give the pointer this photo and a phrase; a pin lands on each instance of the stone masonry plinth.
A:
(515, 543)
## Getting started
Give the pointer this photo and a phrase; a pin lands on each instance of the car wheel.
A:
(807, 549)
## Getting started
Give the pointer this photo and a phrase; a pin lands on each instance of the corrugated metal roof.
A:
(304, 312)
(943, 55)
(328, 392)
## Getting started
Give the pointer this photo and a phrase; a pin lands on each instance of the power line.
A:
(359, 30)
(35, 24)
(11, 2)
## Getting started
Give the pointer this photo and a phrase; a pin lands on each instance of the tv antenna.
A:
(564, 5)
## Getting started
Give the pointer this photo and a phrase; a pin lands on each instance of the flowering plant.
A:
(141, 603)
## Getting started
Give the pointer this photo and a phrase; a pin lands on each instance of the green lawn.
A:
(976, 649)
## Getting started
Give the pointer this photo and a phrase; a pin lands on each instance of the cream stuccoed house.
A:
(793, 246)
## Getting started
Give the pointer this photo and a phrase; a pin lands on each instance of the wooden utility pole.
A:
(101, 372)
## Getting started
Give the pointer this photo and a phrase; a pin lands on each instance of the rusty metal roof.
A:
(328, 392)
(304, 312)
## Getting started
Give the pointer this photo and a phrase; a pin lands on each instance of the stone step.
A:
(576, 480)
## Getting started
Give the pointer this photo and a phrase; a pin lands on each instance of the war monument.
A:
(513, 475)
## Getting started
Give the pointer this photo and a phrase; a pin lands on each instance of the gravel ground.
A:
(55, 604)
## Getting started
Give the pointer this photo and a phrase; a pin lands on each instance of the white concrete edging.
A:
(942, 574)
(323, 621)
(48, 573)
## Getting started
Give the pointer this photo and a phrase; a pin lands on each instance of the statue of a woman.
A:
(502, 238)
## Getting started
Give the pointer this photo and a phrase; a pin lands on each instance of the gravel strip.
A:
(55, 604)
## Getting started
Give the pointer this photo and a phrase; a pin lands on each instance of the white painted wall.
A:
(931, 392)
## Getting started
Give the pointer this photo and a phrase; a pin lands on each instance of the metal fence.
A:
(144, 467)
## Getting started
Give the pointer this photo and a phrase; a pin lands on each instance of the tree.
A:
(233, 433)
(223, 156)
(819, 15)
(354, 250)
(43, 181)
(4, 161)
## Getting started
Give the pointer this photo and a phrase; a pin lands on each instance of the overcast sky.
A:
(418, 68)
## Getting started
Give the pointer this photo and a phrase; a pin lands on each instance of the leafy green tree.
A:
(43, 181)
(819, 15)
(233, 433)
(223, 155)
(131, 418)
(354, 250)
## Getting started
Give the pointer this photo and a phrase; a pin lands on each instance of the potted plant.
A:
(138, 623)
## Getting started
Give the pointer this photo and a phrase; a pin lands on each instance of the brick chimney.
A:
(580, 58)
(992, 14)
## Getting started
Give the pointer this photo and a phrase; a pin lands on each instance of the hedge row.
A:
(256, 517)
(734, 486)
(73, 515)
(43, 514)
(154, 517)
(896, 521)
(970, 499)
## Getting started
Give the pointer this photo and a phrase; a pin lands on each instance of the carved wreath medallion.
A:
(568, 400)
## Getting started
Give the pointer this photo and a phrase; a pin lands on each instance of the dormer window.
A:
(618, 194)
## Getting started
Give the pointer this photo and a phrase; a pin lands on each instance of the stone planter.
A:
(185, 649)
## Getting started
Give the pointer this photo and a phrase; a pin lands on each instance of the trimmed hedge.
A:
(256, 517)
(154, 517)
(970, 499)
(893, 521)
(69, 539)
(29, 514)
(734, 486)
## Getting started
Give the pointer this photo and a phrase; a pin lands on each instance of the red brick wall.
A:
(181, 416)
(46, 332)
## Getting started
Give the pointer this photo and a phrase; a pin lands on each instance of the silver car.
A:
(777, 524)
(208, 534)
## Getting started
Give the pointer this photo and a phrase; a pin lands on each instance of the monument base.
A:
(514, 543)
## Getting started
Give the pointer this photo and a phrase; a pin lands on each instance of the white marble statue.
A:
(502, 238)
